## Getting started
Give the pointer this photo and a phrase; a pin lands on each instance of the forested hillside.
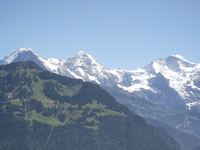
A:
(42, 110)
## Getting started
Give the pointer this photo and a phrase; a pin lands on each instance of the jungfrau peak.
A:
(178, 72)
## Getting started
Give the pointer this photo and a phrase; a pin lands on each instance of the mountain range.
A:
(166, 90)
(179, 76)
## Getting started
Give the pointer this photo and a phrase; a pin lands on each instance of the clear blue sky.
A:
(125, 34)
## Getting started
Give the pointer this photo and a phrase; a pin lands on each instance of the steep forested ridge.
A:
(42, 110)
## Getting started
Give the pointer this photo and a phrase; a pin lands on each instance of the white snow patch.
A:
(74, 75)
(191, 104)
(182, 58)
(136, 87)
(52, 67)
(93, 78)
(81, 71)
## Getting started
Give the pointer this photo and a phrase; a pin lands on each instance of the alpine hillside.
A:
(42, 110)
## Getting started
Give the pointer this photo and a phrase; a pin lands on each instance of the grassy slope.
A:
(36, 88)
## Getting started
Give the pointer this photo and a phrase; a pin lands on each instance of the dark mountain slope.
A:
(168, 97)
(186, 140)
(173, 122)
(138, 104)
(41, 110)
(197, 148)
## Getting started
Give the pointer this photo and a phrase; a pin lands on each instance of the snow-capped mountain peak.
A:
(25, 49)
(23, 53)
(180, 57)
(173, 63)
(175, 71)
(81, 53)
(178, 63)
(85, 67)
(81, 59)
